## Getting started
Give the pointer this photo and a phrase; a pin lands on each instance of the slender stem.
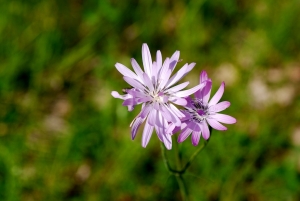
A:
(177, 157)
(187, 165)
(182, 187)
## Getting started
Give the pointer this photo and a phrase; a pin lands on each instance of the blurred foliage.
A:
(63, 137)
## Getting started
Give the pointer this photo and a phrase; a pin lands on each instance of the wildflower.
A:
(199, 111)
(154, 89)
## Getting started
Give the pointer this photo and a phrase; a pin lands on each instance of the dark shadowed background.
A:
(63, 136)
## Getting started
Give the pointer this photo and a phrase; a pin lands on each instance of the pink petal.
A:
(145, 111)
(196, 138)
(174, 59)
(176, 111)
(148, 82)
(115, 94)
(215, 99)
(220, 106)
(134, 83)
(205, 130)
(137, 69)
(204, 93)
(203, 76)
(147, 133)
(188, 92)
(158, 59)
(152, 117)
(135, 126)
(177, 87)
(167, 139)
(184, 134)
(178, 101)
(180, 74)
(125, 71)
(223, 118)
(215, 124)
(147, 60)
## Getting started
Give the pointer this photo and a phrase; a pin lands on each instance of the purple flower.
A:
(200, 111)
(154, 89)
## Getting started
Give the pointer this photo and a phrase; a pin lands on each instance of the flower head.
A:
(154, 89)
(200, 111)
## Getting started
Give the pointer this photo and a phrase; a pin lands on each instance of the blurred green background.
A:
(63, 136)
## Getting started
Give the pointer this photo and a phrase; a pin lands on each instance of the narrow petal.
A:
(178, 101)
(147, 133)
(205, 130)
(152, 117)
(196, 137)
(174, 116)
(177, 88)
(115, 94)
(215, 99)
(125, 71)
(135, 126)
(188, 92)
(220, 106)
(165, 113)
(147, 60)
(174, 59)
(145, 111)
(137, 69)
(180, 74)
(176, 111)
(203, 76)
(167, 139)
(158, 59)
(204, 93)
(165, 74)
(215, 124)
(148, 82)
(184, 134)
(223, 118)
(134, 83)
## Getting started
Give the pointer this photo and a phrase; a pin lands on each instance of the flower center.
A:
(199, 111)
(158, 97)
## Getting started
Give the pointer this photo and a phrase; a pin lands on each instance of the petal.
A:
(135, 126)
(205, 130)
(188, 92)
(174, 59)
(148, 82)
(176, 111)
(167, 139)
(215, 124)
(203, 76)
(184, 134)
(165, 74)
(215, 99)
(125, 71)
(165, 113)
(145, 111)
(180, 74)
(147, 60)
(134, 83)
(147, 133)
(137, 69)
(204, 93)
(223, 118)
(178, 101)
(196, 137)
(158, 59)
(220, 106)
(115, 94)
(177, 87)
(152, 117)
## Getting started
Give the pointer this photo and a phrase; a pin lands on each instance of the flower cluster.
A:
(155, 89)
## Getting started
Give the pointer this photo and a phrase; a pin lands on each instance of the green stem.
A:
(182, 187)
